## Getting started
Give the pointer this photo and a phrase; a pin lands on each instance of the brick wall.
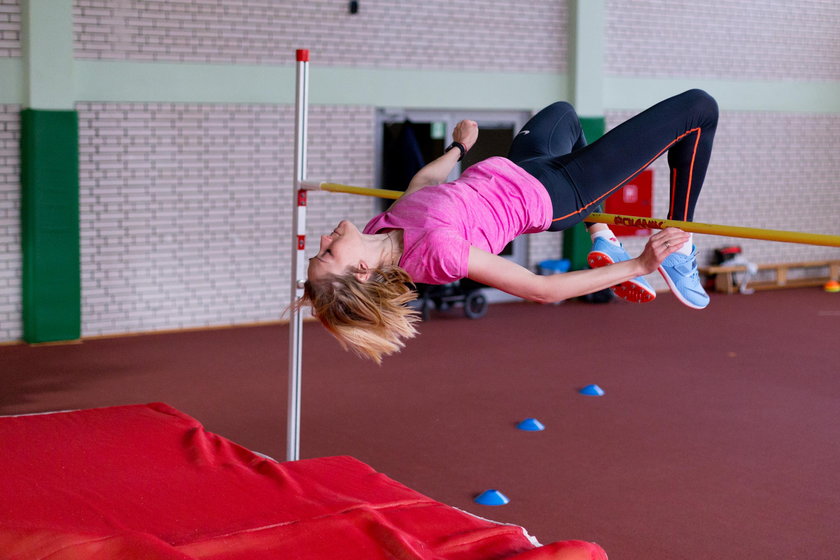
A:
(544, 246)
(185, 207)
(791, 40)
(465, 35)
(184, 223)
(11, 327)
(768, 170)
(9, 28)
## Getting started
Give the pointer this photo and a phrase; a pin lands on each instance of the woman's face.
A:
(338, 251)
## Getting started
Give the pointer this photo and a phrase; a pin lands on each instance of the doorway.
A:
(408, 139)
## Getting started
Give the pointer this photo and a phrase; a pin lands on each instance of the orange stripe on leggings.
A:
(642, 168)
(691, 174)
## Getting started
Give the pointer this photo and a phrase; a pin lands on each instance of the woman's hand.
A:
(436, 171)
(659, 246)
(466, 132)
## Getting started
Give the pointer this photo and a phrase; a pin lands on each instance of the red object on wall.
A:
(634, 199)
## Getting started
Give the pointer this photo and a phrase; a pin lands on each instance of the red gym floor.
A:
(717, 436)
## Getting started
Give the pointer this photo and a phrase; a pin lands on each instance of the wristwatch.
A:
(460, 147)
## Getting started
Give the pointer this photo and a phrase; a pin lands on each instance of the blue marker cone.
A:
(531, 425)
(592, 391)
(491, 498)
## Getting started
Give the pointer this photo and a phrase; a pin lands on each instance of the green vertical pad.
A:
(49, 178)
(593, 127)
(576, 241)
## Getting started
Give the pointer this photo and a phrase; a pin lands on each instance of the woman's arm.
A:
(509, 277)
(436, 172)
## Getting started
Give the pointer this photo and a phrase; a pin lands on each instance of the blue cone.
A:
(491, 498)
(531, 425)
(592, 391)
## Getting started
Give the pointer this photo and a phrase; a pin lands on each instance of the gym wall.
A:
(184, 218)
(185, 128)
(776, 155)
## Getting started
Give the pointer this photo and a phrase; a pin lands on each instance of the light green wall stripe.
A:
(794, 97)
(47, 44)
(587, 56)
(206, 83)
(435, 89)
(181, 83)
(209, 83)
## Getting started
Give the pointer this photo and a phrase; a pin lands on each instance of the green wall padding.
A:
(576, 241)
(49, 178)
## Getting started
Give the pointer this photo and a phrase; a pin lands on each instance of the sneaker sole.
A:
(677, 293)
(630, 290)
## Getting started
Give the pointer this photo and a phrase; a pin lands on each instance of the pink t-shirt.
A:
(490, 204)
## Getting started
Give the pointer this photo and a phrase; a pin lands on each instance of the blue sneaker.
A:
(604, 253)
(680, 272)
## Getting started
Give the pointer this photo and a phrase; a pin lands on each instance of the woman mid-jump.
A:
(359, 282)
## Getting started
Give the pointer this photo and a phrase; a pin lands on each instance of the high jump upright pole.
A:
(298, 259)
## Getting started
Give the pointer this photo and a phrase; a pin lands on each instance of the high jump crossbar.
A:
(633, 221)
(299, 240)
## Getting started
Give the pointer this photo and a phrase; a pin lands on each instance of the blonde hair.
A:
(370, 318)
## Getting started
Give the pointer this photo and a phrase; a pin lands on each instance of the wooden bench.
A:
(725, 283)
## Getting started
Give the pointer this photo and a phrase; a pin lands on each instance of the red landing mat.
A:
(149, 482)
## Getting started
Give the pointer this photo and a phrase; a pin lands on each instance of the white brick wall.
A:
(9, 28)
(544, 246)
(185, 208)
(768, 170)
(490, 35)
(11, 326)
(745, 39)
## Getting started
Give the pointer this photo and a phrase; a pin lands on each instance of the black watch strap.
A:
(460, 147)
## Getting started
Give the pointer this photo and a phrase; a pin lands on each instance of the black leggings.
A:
(578, 177)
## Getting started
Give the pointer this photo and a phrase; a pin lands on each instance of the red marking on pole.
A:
(301, 242)
(301, 198)
(302, 55)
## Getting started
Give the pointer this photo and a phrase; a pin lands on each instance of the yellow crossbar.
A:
(365, 191)
(646, 223)
(714, 229)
